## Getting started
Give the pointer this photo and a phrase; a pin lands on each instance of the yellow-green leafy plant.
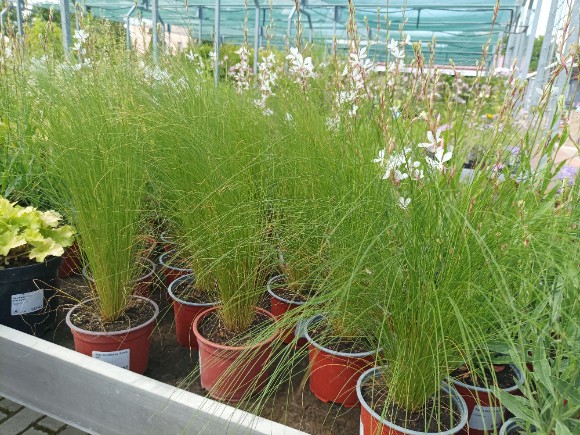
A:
(30, 235)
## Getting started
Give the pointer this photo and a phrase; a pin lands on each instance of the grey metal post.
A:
(19, 20)
(216, 67)
(526, 39)
(65, 24)
(545, 58)
(154, 35)
(512, 37)
(560, 82)
(200, 18)
(335, 19)
(2, 14)
(525, 63)
(128, 23)
(257, 36)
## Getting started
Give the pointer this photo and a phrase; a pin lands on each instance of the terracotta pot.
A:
(71, 262)
(280, 306)
(372, 423)
(486, 415)
(333, 375)
(185, 313)
(128, 348)
(233, 373)
(142, 285)
(167, 242)
(149, 246)
(171, 273)
(28, 300)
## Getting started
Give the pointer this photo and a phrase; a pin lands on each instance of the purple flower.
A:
(567, 173)
(514, 150)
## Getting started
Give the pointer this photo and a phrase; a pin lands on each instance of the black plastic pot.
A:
(28, 300)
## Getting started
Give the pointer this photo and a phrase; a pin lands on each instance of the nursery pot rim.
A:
(318, 318)
(512, 423)
(519, 382)
(9, 271)
(188, 277)
(169, 266)
(166, 239)
(201, 339)
(141, 259)
(276, 279)
(455, 396)
(105, 333)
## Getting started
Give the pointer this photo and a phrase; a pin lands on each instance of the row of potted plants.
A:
(400, 273)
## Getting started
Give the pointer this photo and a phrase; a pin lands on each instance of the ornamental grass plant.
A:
(95, 149)
(213, 175)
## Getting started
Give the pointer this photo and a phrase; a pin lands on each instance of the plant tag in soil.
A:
(25, 303)
(300, 331)
(362, 428)
(486, 417)
(119, 358)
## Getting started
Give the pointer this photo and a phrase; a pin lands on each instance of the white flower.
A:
(404, 202)
(392, 45)
(434, 141)
(395, 111)
(289, 117)
(268, 112)
(400, 176)
(440, 158)
(381, 158)
(300, 67)
(332, 123)
(81, 36)
(352, 112)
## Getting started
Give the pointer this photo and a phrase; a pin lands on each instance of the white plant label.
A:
(119, 358)
(362, 428)
(486, 417)
(27, 302)
(300, 331)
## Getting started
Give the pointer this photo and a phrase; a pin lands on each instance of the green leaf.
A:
(566, 391)
(9, 240)
(517, 405)
(44, 249)
(561, 429)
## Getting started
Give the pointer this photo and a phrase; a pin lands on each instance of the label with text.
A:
(25, 303)
(119, 358)
(486, 417)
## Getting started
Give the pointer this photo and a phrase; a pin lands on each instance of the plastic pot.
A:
(71, 261)
(333, 375)
(167, 242)
(185, 313)
(171, 272)
(232, 373)
(28, 300)
(128, 348)
(486, 414)
(372, 423)
(513, 426)
(142, 286)
(280, 306)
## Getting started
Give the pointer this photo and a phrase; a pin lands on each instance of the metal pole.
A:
(525, 64)
(128, 24)
(335, 20)
(19, 20)
(2, 13)
(216, 67)
(257, 36)
(154, 35)
(525, 40)
(65, 24)
(200, 17)
(512, 38)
